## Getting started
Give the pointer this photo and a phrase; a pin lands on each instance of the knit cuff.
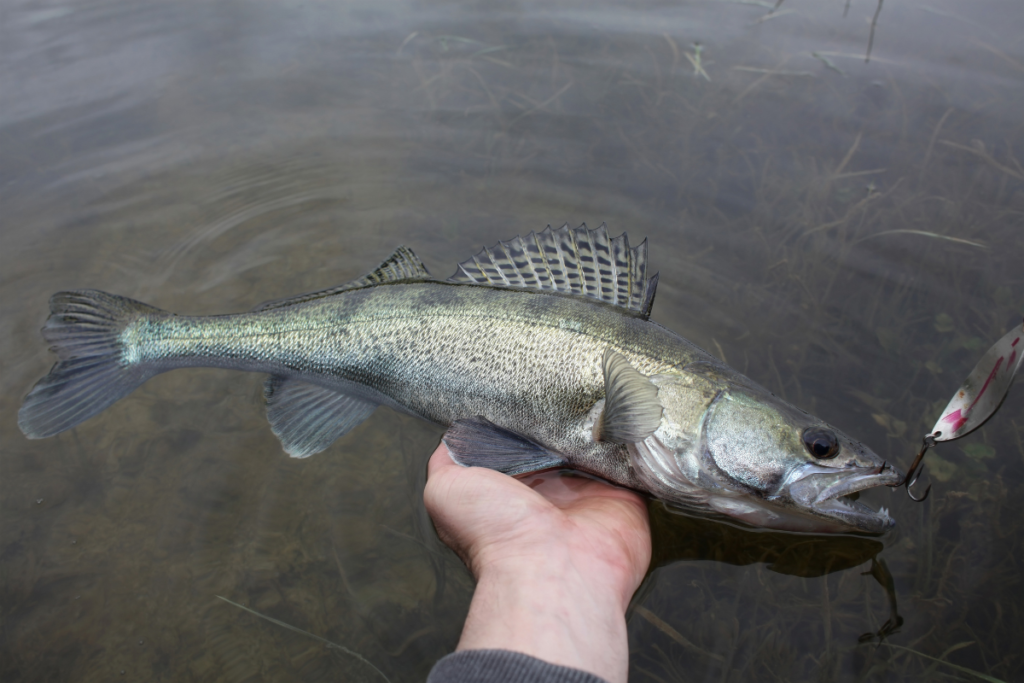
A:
(503, 666)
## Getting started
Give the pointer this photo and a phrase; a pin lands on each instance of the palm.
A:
(488, 517)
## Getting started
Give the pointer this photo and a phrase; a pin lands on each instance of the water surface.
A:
(848, 232)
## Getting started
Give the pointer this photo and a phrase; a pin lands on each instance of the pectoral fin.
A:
(632, 411)
(307, 417)
(478, 442)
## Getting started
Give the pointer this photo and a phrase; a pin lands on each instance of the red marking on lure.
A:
(991, 376)
(956, 418)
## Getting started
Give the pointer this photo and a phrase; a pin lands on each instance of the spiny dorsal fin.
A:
(403, 264)
(581, 261)
(632, 411)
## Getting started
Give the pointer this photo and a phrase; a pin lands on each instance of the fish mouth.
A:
(861, 479)
(831, 494)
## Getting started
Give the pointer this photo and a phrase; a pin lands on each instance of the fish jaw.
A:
(826, 494)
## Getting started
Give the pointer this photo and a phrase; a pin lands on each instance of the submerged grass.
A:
(941, 660)
(859, 248)
(923, 233)
(326, 642)
(822, 233)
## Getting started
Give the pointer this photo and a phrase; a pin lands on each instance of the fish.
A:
(538, 353)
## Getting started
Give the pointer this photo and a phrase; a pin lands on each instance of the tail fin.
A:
(84, 330)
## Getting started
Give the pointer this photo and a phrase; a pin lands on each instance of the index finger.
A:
(440, 460)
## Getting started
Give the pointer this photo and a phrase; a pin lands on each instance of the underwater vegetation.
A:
(847, 234)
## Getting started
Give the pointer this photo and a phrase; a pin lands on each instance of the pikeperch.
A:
(538, 353)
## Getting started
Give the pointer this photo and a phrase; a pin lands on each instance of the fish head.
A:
(736, 449)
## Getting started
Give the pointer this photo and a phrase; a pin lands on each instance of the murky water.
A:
(848, 233)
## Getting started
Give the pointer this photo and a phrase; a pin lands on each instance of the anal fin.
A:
(478, 442)
(307, 417)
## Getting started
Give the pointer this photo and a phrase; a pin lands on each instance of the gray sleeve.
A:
(503, 666)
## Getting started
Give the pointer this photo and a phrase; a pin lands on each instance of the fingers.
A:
(436, 494)
(441, 505)
(440, 459)
(560, 490)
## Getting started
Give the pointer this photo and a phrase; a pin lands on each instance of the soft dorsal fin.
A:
(632, 411)
(581, 261)
(403, 264)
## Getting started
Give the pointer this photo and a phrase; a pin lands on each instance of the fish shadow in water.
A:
(682, 538)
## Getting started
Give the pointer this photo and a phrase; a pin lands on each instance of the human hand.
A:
(556, 559)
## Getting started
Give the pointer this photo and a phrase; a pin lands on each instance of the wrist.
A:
(566, 562)
(543, 605)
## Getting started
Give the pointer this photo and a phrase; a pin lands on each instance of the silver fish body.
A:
(526, 379)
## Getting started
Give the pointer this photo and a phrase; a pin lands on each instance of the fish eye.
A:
(821, 443)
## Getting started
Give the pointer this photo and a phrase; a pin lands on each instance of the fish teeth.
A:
(884, 512)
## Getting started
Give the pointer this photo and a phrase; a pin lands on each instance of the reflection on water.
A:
(205, 157)
(680, 538)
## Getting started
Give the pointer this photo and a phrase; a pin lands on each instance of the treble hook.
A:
(914, 473)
